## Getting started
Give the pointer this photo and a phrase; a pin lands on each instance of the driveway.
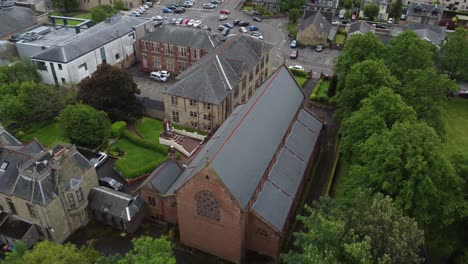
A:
(148, 87)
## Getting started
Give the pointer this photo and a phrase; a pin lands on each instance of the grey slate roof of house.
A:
(90, 39)
(164, 176)
(184, 36)
(434, 34)
(308, 13)
(7, 139)
(15, 19)
(115, 203)
(424, 9)
(10, 174)
(326, 3)
(30, 148)
(213, 77)
(318, 20)
(360, 26)
(256, 128)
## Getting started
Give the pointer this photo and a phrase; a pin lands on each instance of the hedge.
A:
(117, 129)
(144, 142)
(300, 73)
(131, 174)
(313, 95)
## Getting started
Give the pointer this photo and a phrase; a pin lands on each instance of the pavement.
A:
(149, 87)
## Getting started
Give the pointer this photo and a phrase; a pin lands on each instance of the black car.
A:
(179, 10)
(243, 23)
(225, 32)
(256, 19)
(221, 28)
(171, 6)
(157, 23)
(110, 183)
(256, 13)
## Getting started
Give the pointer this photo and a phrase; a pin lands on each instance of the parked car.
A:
(256, 13)
(215, 2)
(297, 67)
(225, 31)
(187, 4)
(224, 11)
(254, 28)
(99, 159)
(171, 6)
(157, 18)
(164, 74)
(222, 17)
(256, 19)
(378, 26)
(179, 10)
(228, 25)
(150, 4)
(145, 7)
(243, 23)
(197, 23)
(110, 183)
(190, 23)
(166, 10)
(174, 20)
(293, 44)
(179, 21)
(242, 29)
(185, 22)
(141, 10)
(403, 17)
(209, 6)
(341, 14)
(135, 13)
(319, 48)
(236, 22)
(390, 21)
(294, 54)
(157, 23)
(158, 77)
(221, 28)
(463, 93)
(260, 37)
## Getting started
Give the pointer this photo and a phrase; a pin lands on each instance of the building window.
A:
(194, 124)
(60, 66)
(207, 106)
(175, 116)
(183, 51)
(236, 93)
(79, 194)
(151, 201)
(257, 68)
(261, 232)
(168, 49)
(244, 82)
(32, 211)
(169, 64)
(132, 35)
(63, 80)
(195, 54)
(243, 98)
(4, 166)
(193, 114)
(174, 100)
(206, 117)
(156, 62)
(41, 66)
(117, 56)
(155, 46)
(193, 102)
(182, 66)
(250, 76)
(71, 200)
(207, 127)
(84, 65)
(11, 205)
(266, 58)
(144, 45)
(207, 205)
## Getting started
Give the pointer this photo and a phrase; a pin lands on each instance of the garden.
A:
(301, 76)
(456, 123)
(324, 90)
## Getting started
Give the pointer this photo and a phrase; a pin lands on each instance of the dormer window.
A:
(4, 166)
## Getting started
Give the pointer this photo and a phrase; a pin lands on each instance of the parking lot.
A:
(148, 87)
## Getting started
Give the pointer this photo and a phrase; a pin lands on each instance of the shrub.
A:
(300, 73)
(332, 89)
(117, 129)
(119, 5)
(144, 142)
(20, 134)
(313, 95)
(342, 32)
(131, 174)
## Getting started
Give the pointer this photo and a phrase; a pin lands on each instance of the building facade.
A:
(207, 92)
(314, 30)
(455, 5)
(323, 5)
(273, 5)
(384, 8)
(90, 4)
(422, 13)
(174, 48)
(113, 41)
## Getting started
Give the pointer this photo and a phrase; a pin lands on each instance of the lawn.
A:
(300, 80)
(47, 134)
(149, 128)
(340, 39)
(72, 23)
(456, 121)
(323, 88)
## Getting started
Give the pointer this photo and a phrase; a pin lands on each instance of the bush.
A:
(300, 73)
(131, 174)
(117, 129)
(343, 32)
(313, 95)
(119, 5)
(332, 89)
(144, 142)
(20, 134)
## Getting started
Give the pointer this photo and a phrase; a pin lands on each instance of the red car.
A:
(294, 54)
(224, 11)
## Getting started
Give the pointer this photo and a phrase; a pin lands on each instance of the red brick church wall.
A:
(262, 238)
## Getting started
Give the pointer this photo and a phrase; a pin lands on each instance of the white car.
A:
(390, 21)
(135, 13)
(260, 37)
(164, 73)
(297, 67)
(197, 23)
(146, 7)
(157, 18)
(158, 77)
(190, 23)
(243, 30)
(99, 159)
(141, 10)
(222, 17)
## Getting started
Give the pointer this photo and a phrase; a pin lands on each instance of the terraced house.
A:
(174, 48)
(208, 91)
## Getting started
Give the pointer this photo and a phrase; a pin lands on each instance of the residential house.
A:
(360, 27)
(112, 41)
(117, 209)
(462, 20)
(433, 34)
(455, 5)
(208, 91)
(324, 5)
(314, 30)
(240, 192)
(44, 191)
(90, 4)
(423, 13)
(14, 19)
(273, 5)
(384, 8)
(175, 48)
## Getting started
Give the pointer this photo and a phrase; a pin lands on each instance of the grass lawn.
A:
(292, 28)
(72, 23)
(300, 80)
(456, 121)
(340, 39)
(342, 180)
(149, 128)
(47, 134)
(323, 88)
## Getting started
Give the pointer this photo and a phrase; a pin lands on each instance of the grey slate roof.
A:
(15, 19)
(184, 36)
(424, 9)
(274, 205)
(433, 34)
(7, 139)
(214, 75)
(115, 203)
(90, 39)
(256, 128)
(326, 3)
(164, 176)
(308, 13)
(359, 27)
(15, 228)
(8, 177)
(317, 20)
(30, 148)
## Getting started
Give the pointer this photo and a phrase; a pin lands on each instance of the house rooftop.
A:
(46, 35)
(318, 20)
(15, 19)
(14, 228)
(115, 203)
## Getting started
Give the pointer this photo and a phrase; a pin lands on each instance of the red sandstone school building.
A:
(240, 192)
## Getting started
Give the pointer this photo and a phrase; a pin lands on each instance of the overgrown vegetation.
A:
(320, 92)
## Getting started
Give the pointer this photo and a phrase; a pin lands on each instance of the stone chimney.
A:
(171, 153)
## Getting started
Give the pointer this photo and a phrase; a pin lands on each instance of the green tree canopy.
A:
(453, 56)
(98, 14)
(368, 229)
(358, 48)
(364, 78)
(378, 112)
(15, 257)
(68, 5)
(47, 252)
(286, 5)
(396, 9)
(113, 91)
(371, 11)
(21, 71)
(85, 125)
(294, 14)
(408, 51)
(407, 163)
(119, 5)
(148, 250)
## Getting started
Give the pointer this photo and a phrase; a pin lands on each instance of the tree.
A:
(68, 5)
(113, 91)
(21, 71)
(119, 5)
(47, 252)
(149, 250)
(287, 5)
(358, 48)
(84, 125)
(364, 78)
(348, 4)
(98, 14)
(379, 112)
(453, 57)
(15, 257)
(371, 11)
(408, 51)
(396, 9)
(294, 14)
(407, 163)
(368, 229)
